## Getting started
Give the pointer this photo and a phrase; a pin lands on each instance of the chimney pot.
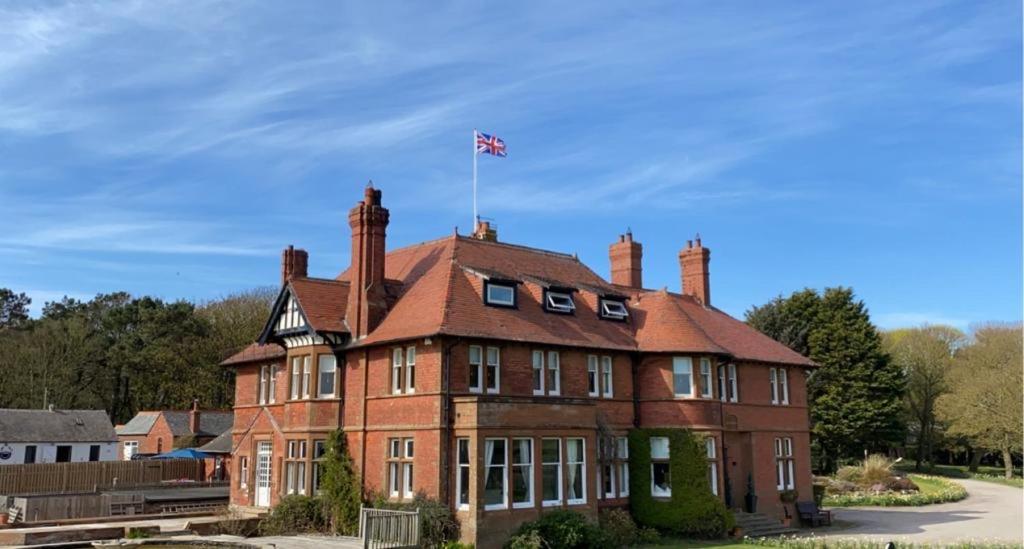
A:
(367, 302)
(294, 264)
(484, 231)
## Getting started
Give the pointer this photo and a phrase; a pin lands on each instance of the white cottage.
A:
(55, 436)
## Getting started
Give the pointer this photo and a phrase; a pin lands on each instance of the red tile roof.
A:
(437, 288)
(323, 302)
(254, 353)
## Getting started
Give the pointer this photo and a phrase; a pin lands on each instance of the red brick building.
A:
(481, 373)
(160, 431)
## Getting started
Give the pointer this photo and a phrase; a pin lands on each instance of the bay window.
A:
(522, 472)
(706, 388)
(495, 473)
(712, 454)
(682, 376)
(551, 472)
(576, 467)
(462, 481)
(327, 367)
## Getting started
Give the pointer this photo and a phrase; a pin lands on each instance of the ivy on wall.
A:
(692, 511)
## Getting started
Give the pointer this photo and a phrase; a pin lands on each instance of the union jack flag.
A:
(490, 144)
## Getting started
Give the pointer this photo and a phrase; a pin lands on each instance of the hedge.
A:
(692, 511)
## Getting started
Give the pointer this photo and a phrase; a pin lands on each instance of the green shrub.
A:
(646, 535)
(437, 523)
(819, 492)
(563, 529)
(692, 511)
(456, 545)
(295, 515)
(340, 486)
(619, 527)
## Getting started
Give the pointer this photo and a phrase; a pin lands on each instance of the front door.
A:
(263, 474)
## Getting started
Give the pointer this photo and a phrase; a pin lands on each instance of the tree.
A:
(13, 308)
(925, 355)
(855, 394)
(984, 401)
(340, 485)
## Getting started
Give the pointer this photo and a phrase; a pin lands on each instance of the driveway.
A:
(991, 511)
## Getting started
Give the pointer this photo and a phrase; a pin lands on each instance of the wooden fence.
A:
(63, 478)
(388, 528)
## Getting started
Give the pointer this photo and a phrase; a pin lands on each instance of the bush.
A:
(849, 474)
(295, 515)
(693, 511)
(563, 529)
(902, 484)
(838, 487)
(648, 536)
(618, 525)
(437, 523)
(876, 469)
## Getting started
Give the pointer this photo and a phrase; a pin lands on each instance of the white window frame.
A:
(496, 364)
(272, 396)
(408, 491)
(773, 382)
(243, 471)
(410, 369)
(492, 299)
(538, 371)
(655, 491)
(682, 366)
(555, 369)
(459, 443)
(394, 467)
(607, 381)
(734, 395)
(784, 468)
(784, 384)
(712, 455)
(707, 388)
(613, 309)
(622, 454)
(477, 364)
(264, 381)
(558, 476)
(396, 371)
(503, 476)
(307, 375)
(296, 377)
(528, 465)
(582, 464)
(723, 384)
(558, 302)
(327, 364)
(593, 376)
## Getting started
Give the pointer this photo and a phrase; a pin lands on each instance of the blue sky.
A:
(173, 148)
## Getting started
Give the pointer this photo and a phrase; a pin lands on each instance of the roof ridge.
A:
(322, 280)
(562, 255)
(697, 325)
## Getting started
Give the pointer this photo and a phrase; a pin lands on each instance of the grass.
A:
(985, 473)
(827, 543)
(932, 490)
(675, 543)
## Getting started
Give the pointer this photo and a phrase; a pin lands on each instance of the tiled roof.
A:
(255, 352)
(323, 301)
(219, 445)
(138, 425)
(437, 288)
(56, 426)
(211, 422)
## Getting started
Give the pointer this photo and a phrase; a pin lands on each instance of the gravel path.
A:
(991, 511)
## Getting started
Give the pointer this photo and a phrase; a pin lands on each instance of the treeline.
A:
(907, 392)
(123, 354)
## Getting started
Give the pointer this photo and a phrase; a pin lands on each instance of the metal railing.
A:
(386, 528)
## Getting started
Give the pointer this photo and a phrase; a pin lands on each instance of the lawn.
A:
(673, 543)
(985, 473)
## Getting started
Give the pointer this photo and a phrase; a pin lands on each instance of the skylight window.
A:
(559, 302)
(502, 295)
(614, 310)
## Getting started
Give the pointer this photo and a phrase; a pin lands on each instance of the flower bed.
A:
(932, 490)
(839, 543)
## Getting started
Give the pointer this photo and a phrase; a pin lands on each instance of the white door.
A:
(263, 474)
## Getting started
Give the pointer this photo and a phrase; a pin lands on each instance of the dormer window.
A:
(613, 309)
(558, 302)
(499, 294)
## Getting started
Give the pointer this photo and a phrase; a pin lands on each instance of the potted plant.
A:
(788, 496)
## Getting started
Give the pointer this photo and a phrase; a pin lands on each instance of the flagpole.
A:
(475, 217)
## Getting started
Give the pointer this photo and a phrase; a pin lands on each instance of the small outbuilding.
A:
(56, 436)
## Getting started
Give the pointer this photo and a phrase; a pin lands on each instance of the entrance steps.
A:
(756, 525)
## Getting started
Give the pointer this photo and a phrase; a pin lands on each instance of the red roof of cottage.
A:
(436, 288)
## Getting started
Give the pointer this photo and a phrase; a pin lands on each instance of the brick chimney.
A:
(484, 231)
(625, 256)
(367, 302)
(693, 261)
(294, 264)
(193, 417)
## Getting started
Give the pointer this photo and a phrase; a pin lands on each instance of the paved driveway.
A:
(991, 511)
